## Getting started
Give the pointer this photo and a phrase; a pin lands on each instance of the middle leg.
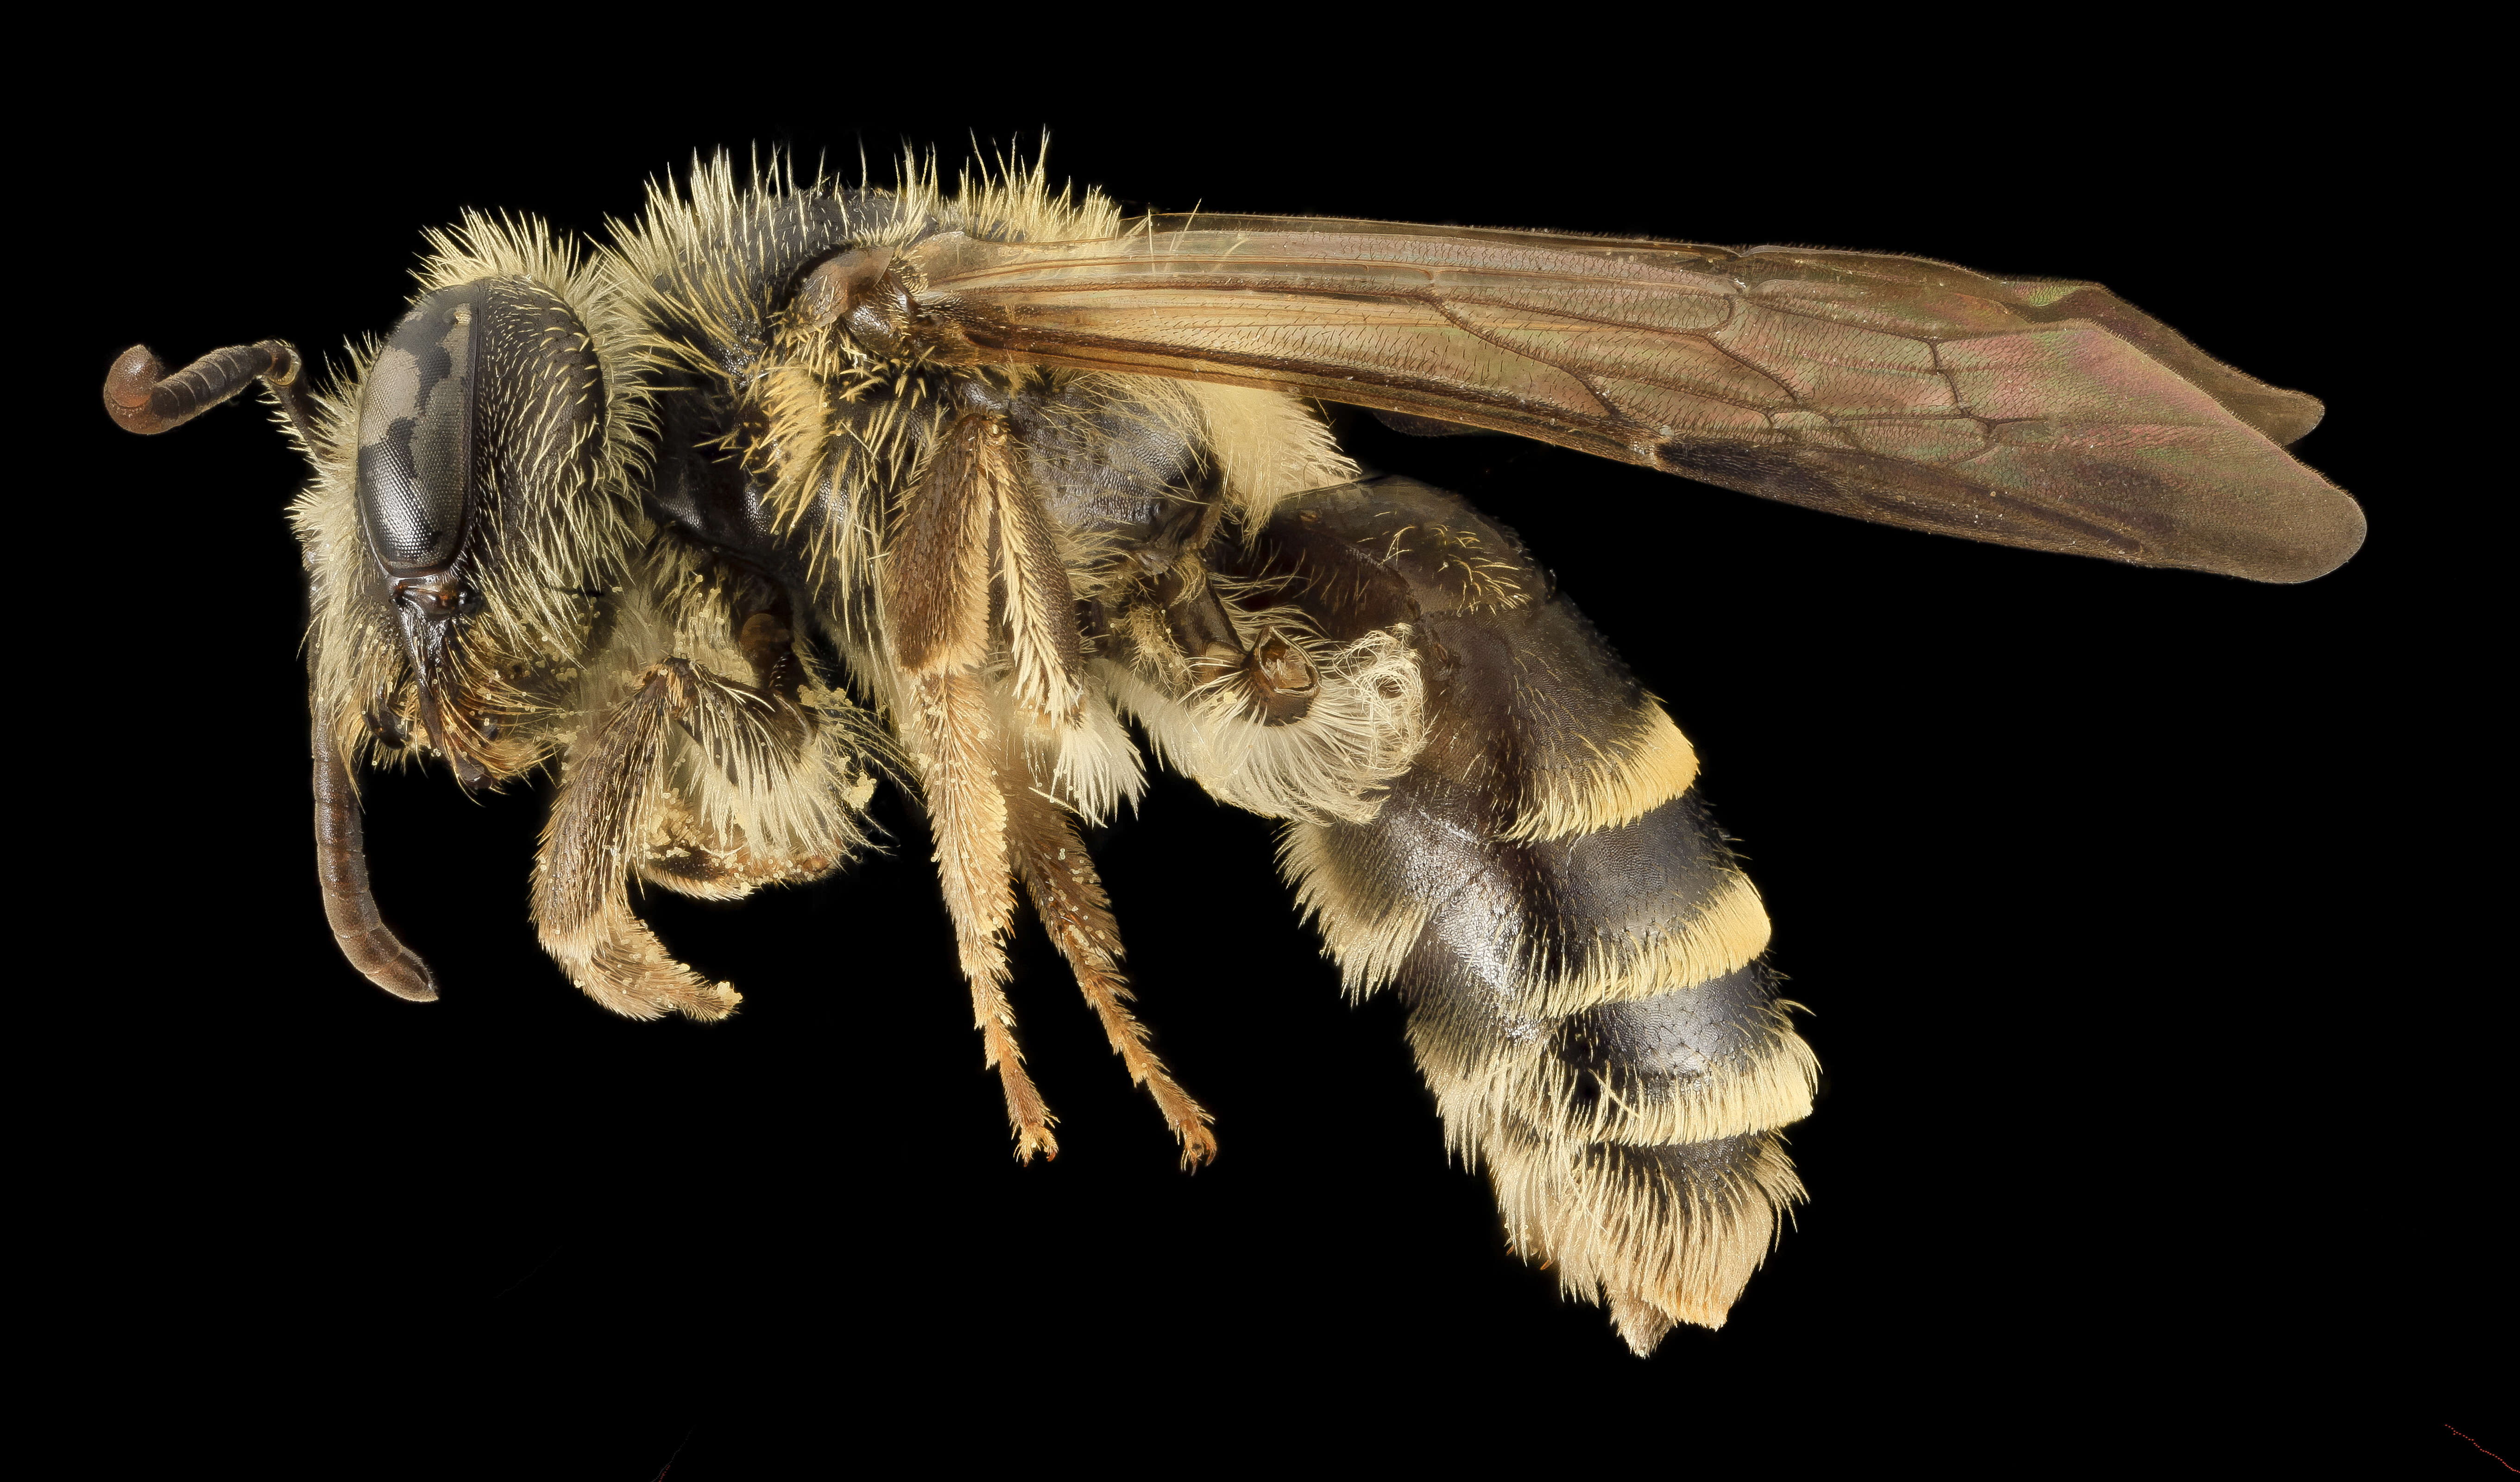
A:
(934, 590)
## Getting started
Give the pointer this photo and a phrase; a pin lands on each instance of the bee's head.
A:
(470, 511)
(480, 434)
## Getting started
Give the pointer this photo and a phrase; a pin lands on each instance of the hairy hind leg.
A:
(1059, 877)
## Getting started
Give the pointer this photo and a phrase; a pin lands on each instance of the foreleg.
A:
(581, 901)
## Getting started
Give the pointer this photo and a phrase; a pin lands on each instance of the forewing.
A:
(2046, 415)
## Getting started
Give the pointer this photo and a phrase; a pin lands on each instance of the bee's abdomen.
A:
(1578, 950)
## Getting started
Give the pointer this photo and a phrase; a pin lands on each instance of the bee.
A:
(788, 490)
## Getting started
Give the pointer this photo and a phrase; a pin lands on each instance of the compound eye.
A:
(419, 440)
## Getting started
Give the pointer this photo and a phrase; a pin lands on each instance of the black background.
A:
(2098, 881)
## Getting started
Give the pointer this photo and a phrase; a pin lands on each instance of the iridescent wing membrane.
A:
(2027, 413)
